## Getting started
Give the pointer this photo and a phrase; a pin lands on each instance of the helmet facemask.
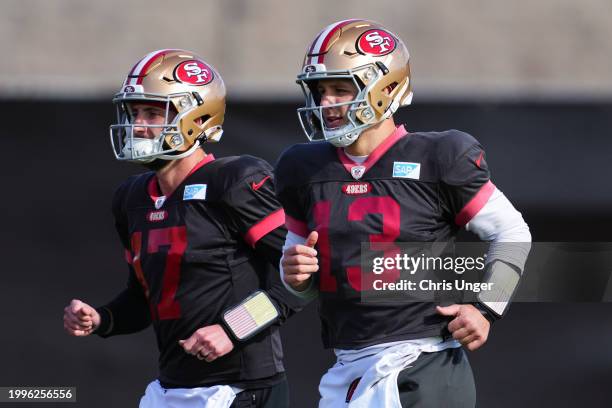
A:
(168, 145)
(377, 62)
(190, 97)
(360, 115)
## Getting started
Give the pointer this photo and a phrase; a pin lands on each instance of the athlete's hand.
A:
(208, 343)
(469, 326)
(300, 262)
(80, 319)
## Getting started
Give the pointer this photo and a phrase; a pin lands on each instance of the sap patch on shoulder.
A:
(407, 170)
(195, 192)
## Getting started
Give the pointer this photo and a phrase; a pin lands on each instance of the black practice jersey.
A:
(194, 254)
(417, 187)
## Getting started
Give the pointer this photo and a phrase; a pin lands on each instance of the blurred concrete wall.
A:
(460, 48)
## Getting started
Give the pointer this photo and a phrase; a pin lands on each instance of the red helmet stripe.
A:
(132, 71)
(137, 68)
(330, 35)
(149, 62)
(320, 44)
(134, 77)
(312, 47)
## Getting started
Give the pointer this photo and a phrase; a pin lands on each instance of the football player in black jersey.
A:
(364, 179)
(200, 235)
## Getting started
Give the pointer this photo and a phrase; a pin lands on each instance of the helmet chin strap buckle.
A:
(176, 140)
(407, 100)
(345, 140)
(214, 134)
(186, 153)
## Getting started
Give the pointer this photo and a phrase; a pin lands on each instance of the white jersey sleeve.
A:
(499, 222)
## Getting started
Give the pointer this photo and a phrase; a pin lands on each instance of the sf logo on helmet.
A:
(193, 72)
(376, 42)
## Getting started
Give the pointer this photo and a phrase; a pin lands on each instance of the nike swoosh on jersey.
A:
(256, 186)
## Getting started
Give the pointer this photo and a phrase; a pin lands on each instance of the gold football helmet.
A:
(375, 60)
(193, 94)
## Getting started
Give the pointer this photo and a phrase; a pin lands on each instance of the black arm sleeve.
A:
(259, 219)
(287, 191)
(270, 248)
(129, 311)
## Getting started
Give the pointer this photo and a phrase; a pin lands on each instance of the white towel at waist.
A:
(378, 367)
(218, 396)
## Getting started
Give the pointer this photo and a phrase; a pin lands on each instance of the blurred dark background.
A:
(552, 159)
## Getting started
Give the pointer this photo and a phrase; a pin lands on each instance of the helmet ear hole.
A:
(389, 88)
(201, 121)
